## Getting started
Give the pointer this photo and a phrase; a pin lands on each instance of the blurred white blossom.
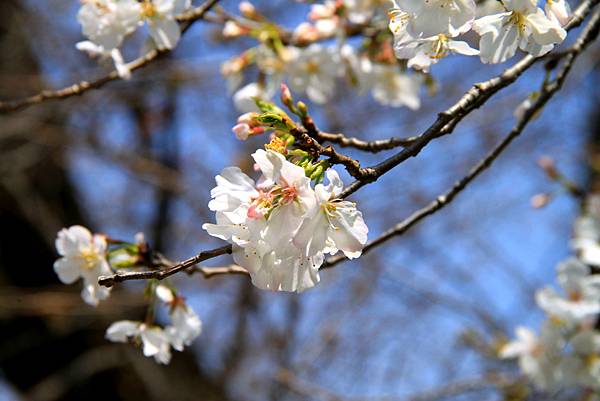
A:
(83, 255)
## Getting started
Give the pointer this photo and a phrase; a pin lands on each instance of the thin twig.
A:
(374, 146)
(109, 281)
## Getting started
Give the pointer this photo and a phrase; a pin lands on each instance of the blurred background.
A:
(415, 320)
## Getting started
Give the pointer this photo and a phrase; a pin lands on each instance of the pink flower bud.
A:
(286, 95)
(241, 131)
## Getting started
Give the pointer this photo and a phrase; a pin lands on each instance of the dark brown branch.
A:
(549, 89)
(186, 20)
(109, 281)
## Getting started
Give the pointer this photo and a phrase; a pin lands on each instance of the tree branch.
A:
(186, 20)
(549, 89)
(109, 281)
(472, 99)
(368, 146)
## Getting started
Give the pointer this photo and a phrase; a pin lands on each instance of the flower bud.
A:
(317, 174)
(232, 30)
(241, 131)
(302, 108)
(286, 96)
(248, 10)
(540, 200)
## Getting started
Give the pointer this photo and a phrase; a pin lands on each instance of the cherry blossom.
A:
(582, 294)
(155, 341)
(106, 23)
(430, 18)
(391, 87)
(269, 223)
(160, 16)
(244, 98)
(83, 255)
(523, 26)
(538, 356)
(421, 53)
(582, 367)
(337, 225)
(314, 71)
(185, 324)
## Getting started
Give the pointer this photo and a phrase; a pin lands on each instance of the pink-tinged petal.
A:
(99, 243)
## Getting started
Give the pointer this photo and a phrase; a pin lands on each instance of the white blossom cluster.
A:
(566, 353)
(157, 341)
(423, 33)
(281, 227)
(314, 68)
(87, 256)
(106, 23)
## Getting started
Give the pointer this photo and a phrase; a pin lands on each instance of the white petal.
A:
(349, 232)
(67, 269)
(311, 237)
(70, 240)
(165, 32)
(121, 330)
(164, 293)
(92, 294)
(545, 31)
(460, 47)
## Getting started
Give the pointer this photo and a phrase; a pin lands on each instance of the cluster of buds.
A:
(275, 120)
